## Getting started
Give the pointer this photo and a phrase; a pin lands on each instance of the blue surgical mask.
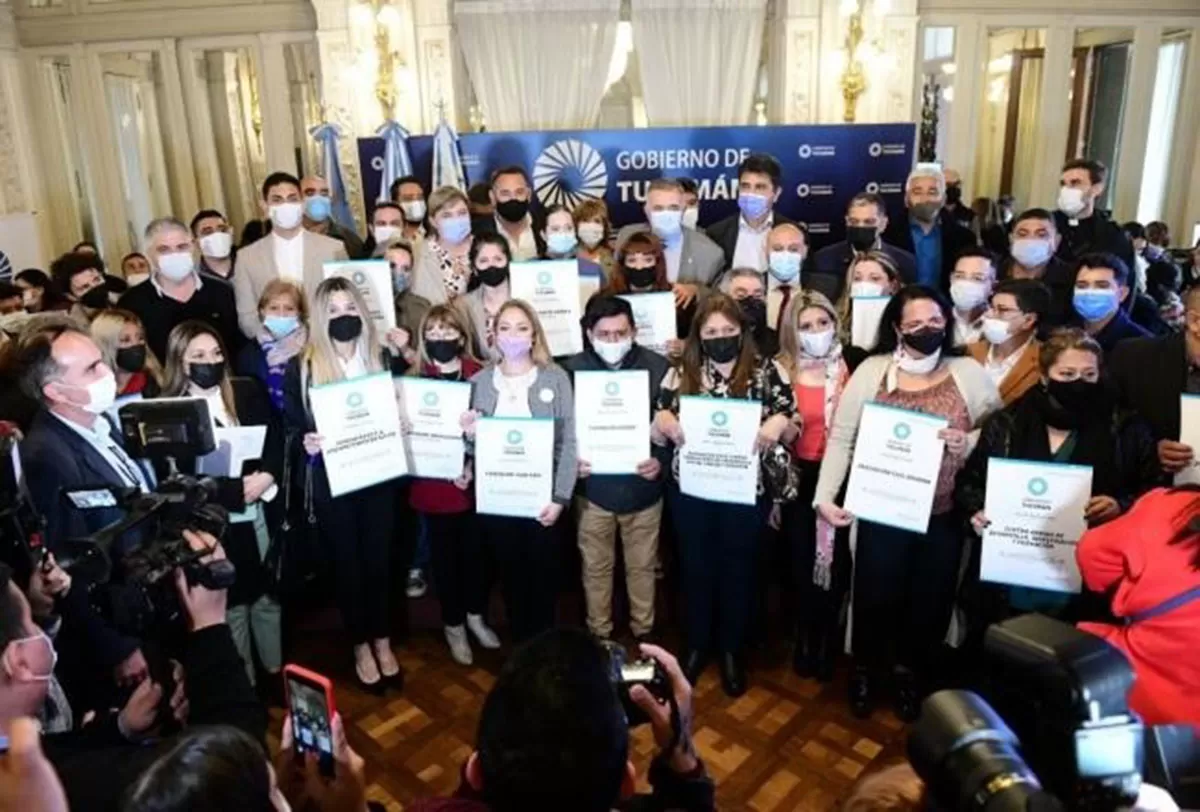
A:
(561, 242)
(785, 265)
(317, 208)
(753, 206)
(400, 282)
(280, 326)
(666, 225)
(1095, 304)
(455, 229)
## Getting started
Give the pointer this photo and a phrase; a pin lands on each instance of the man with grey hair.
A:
(176, 292)
(928, 232)
(748, 288)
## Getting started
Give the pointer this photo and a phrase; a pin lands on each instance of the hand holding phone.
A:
(311, 711)
(306, 786)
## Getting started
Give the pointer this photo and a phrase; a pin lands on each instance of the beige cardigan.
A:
(973, 383)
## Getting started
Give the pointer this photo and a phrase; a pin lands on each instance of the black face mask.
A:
(954, 193)
(206, 376)
(1073, 403)
(442, 350)
(96, 298)
(754, 313)
(861, 238)
(926, 341)
(722, 350)
(345, 328)
(131, 359)
(513, 210)
(492, 277)
(639, 277)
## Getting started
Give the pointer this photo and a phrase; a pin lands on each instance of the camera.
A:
(624, 674)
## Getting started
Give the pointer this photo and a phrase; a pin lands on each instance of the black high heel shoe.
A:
(694, 664)
(861, 693)
(733, 675)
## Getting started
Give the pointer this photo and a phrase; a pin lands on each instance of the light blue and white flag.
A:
(396, 161)
(326, 135)
(447, 163)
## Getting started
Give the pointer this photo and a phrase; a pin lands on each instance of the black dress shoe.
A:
(824, 651)
(908, 696)
(694, 664)
(733, 675)
(861, 693)
(802, 658)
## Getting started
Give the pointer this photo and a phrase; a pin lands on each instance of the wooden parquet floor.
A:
(787, 744)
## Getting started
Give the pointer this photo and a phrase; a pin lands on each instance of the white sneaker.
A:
(460, 648)
(416, 586)
(486, 637)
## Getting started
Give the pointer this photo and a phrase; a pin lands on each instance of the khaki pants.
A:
(597, 547)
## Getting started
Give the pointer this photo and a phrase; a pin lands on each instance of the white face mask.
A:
(612, 352)
(996, 331)
(691, 217)
(816, 345)
(176, 267)
(414, 210)
(136, 279)
(919, 366)
(865, 289)
(384, 233)
(102, 393)
(286, 215)
(216, 245)
(590, 234)
(1032, 253)
(45, 638)
(1071, 201)
(968, 294)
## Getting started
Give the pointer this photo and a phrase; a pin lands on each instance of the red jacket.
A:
(440, 495)
(1131, 556)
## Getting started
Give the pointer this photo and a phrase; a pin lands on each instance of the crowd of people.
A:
(1044, 334)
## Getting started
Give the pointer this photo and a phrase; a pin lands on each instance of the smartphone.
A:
(310, 702)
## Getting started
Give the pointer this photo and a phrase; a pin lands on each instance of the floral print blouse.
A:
(456, 271)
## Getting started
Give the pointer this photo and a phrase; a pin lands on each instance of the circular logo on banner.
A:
(805, 151)
(612, 388)
(719, 419)
(544, 278)
(6, 268)
(377, 163)
(802, 190)
(901, 431)
(875, 150)
(354, 400)
(569, 172)
(359, 278)
(515, 437)
(431, 399)
(1038, 486)
(873, 187)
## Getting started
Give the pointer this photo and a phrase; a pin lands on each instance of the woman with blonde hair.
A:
(357, 527)
(526, 383)
(122, 342)
(868, 275)
(197, 366)
(594, 230)
(442, 271)
(283, 311)
(819, 366)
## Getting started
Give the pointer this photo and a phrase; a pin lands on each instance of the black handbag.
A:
(292, 561)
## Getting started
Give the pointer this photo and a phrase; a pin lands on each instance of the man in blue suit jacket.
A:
(71, 446)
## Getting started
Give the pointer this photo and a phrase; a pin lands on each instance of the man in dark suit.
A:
(1084, 228)
(928, 233)
(743, 236)
(515, 216)
(1032, 242)
(72, 446)
(1102, 283)
(866, 221)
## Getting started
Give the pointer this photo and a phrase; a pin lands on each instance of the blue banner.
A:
(823, 166)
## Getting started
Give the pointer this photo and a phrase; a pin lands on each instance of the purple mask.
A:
(513, 347)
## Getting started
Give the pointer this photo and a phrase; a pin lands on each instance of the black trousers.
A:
(718, 553)
(357, 530)
(457, 554)
(526, 556)
(904, 586)
(816, 607)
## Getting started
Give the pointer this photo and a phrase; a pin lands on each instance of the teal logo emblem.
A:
(431, 399)
(719, 419)
(515, 437)
(1038, 486)
(354, 400)
(612, 388)
(543, 278)
(902, 431)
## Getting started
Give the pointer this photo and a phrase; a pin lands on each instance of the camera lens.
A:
(968, 757)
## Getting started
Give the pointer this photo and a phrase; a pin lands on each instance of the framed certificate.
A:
(865, 314)
(551, 287)
(718, 461)
(434, 409)
(514, 466)
(612, 419)
(360, 422)
(654, 317)
(1189, 434)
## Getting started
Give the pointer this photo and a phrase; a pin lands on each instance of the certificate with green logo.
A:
(514, 466)
(718, 461)
(434, 441)
(1035, 520)
(360, 424)
(612, 419)
(894, 474)
(551, 287)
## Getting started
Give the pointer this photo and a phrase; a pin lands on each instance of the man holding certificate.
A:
(616, 381)
(722, 408)
(885, 441)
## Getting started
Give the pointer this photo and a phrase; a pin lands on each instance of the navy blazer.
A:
(725, 233)
(833, 260)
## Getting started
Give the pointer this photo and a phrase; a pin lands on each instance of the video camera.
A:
(1080, 748)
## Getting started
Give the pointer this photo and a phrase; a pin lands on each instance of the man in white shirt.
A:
(743, 236)
(514, 216)
(971, 285)
(288, 252)
(787, 247)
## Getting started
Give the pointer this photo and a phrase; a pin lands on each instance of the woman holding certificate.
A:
(357, 526)
(524, 385)
(872, 277)
(719, 540)
(448, 506)
(197, 367)
(1067, 418)
(641, 268)
(905, 573)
